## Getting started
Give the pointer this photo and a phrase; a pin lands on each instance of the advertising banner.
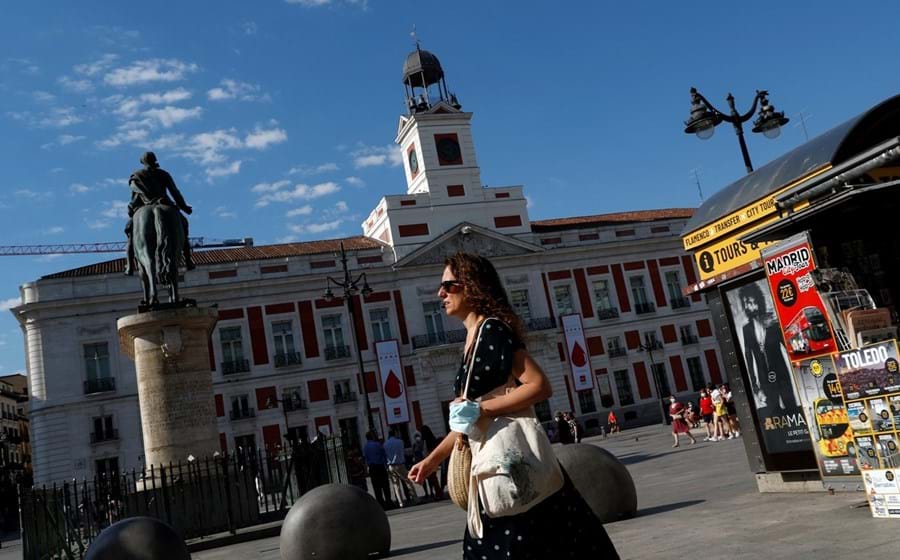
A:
(579, 360)
(799, 307)
(870, 382)
(392, 386)
(772, 391)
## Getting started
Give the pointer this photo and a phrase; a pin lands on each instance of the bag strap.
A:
(469, 366)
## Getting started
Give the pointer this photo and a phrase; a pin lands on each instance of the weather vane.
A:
(415, 36)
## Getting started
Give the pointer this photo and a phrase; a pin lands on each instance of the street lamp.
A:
(648, 346)
(350, 287)
(704, 119)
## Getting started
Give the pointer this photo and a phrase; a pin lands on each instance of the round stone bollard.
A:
(601, 479)
(335, 522)
(138, 538)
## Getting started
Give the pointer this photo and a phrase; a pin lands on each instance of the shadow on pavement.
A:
(423, 547)
(667, 507)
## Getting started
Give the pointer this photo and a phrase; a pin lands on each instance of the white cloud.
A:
(169, 115)
(260, 139)
(97, 224)
(43, 97)
(151, 70)
(250, 28)
(341, 206)
(7, 304)
(76, 85)
(302, 211)
(102, 64)
(309, 3)
(30, 194)
(529, 202)
(232, 168)
(232, 89)
(270, 187)
(298, 192)
(115, 209)
(287, 239)
(49, 258)
(224, 212)
(66, 139)
(373, 156)
(171, 96)
(316, 228)
(313, 169)
(55, 230)
(133, 136)
(355, 182)
(78, 188)
(60, 117)
(205, 147)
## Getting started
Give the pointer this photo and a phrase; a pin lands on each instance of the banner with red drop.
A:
(394, 390)
(579, 359)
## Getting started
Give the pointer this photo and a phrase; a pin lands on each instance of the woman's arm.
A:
(423, 469)
(534, 388)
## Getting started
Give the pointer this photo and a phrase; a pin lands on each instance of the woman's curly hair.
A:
(483, 289)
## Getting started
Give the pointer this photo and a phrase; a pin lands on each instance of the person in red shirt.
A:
(612, 422)
(706, 412)
(679, 424)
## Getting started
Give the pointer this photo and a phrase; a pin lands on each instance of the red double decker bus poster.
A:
(798, 305)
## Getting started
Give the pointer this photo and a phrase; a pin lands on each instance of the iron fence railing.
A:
(344, 397)
(616, 351)
(540, 324)
(99, 385)
(243, 413)
(608, 313)
(679, 302)
(107, 435)
(235, 366)
(287, 359)
(198, 498)
(689, 339)
(335, 352)
(641, 308)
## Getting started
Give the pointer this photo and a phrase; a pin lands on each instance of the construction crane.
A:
(112, 247)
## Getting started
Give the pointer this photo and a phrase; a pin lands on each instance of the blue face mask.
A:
(463, 416)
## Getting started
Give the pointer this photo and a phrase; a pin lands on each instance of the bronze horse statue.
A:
(158, 240)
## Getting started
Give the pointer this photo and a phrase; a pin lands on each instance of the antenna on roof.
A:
(801, 122)
(695, 173)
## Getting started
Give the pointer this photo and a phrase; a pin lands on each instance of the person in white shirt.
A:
(396, 461)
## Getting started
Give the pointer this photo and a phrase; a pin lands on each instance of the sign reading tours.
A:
(799, 307)
(395, 403)
(870, 381)
(579, 360)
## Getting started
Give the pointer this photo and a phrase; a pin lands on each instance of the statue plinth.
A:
(170, 352)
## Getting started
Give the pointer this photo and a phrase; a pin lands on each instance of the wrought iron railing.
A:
(679, 302)
(106, 435)
(689, 339)
(291, 404)
(336, 352)
(344, 397)
(616, 352)
(642, 308)
(610, 313)
(540, 324)
(243, 413)
(653, 345)
(99, 385)
(439, 338)
(287, 359)
(210, 495)
(235, 366)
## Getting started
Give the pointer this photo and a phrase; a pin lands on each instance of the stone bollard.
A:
(335, 522)
(601, 479)
(138, 538)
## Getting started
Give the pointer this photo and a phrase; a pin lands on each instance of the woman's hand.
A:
(422, 470)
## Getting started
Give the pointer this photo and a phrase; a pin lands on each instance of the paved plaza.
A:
(694, 501)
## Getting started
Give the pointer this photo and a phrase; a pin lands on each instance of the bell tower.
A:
(436, 135)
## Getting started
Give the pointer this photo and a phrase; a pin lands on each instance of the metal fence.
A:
(198, 498)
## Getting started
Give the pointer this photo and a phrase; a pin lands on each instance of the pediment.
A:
(470, 239)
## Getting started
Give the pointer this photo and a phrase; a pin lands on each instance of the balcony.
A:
(337, 352)
(540, 324)
(243, 413)
(610, 313)
(643, 308)
(617, 352)
(344, 397)
(99, 385)
(680, 302)
(235, 366)
(439, 338)
(287, 359)
(652, 345)
(689, 339)
(108, 435)
(292, 404)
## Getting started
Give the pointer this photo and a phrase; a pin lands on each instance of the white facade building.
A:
(282, 357)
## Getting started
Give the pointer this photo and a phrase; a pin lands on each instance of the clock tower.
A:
(436, 135)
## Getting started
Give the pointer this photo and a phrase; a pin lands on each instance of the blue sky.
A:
(277, 118)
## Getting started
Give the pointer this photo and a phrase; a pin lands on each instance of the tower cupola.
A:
(424, 83)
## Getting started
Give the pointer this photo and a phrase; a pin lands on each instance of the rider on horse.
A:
(151, 184)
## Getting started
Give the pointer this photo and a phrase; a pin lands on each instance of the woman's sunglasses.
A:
(450, 286)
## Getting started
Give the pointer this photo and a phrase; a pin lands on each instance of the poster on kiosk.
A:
(396, 408)
(582, 378)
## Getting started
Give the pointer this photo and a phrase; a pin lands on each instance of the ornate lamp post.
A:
(350, 287)
(647, 346)
(704, 119)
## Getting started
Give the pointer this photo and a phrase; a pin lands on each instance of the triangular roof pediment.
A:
(470, 239)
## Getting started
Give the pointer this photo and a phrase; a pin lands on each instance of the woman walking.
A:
(679, 424)
(562, 523)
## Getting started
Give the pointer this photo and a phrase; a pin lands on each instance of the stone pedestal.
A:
(170, 349)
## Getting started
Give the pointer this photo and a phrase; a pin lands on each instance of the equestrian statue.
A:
(157, 232)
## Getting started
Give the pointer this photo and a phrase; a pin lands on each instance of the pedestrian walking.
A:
(720, 414)
(376, 461)
(731, 413)
(612, 422)
(679, 424)
(563, 429)
(691, 416)
(395, 452)
(574, 426)
(706, 412)
(432, 486)
(504, 380)
(356, 469)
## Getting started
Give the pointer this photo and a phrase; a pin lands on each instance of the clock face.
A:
(448, 150)
(413, 162)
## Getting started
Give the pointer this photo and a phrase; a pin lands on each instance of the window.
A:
(292, 399)
(638, 290)
(283, 335)
(333, 332)
(245, 444)
(381, 324)
(603, 300)
(623, 387)
(659, 373)
(563, 296)
(240, 408)
(586, 402)
(232, 345)
(651, 342)
(687, 335)
(434, 320)
(519, 301)
(614, 347)
(96, 364)
(107, 468)
(342, 391)
(673, 286)
(103, 429)
(696, 373)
